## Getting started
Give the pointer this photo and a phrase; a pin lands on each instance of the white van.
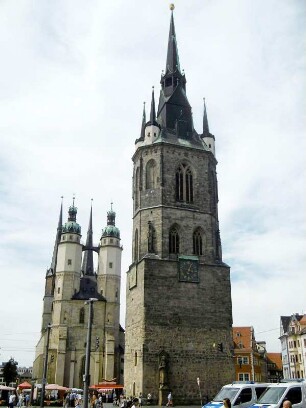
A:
(241, 394)
(276, 394)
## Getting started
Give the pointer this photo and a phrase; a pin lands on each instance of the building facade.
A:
(274, 367)
(293, 344)
(249, 355)
(178, 310)
(69, 283)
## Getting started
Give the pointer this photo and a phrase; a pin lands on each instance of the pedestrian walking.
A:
(12, 400)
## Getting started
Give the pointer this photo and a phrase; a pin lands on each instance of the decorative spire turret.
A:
(71, 225)
(88, 265)
(111, 229)
(143, 123)
(152, 120)
(205, 121)
(207, 137)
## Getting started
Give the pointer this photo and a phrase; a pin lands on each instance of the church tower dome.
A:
(111, 230)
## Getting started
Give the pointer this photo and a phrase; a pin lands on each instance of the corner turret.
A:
(207, 137)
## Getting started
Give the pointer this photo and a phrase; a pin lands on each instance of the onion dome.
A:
(71, 226)
(111, 230)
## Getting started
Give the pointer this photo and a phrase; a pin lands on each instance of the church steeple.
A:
(174, 110)
(52, 268)
(173, 63)
(88, 265)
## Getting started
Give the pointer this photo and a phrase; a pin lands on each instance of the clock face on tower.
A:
(188, 270)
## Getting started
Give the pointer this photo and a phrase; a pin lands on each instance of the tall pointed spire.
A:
(153, 113)
(143, 123)
(52, 268)
(88, 265)
(174, 110)
(205, 121)
(152, 121)
(173, 63)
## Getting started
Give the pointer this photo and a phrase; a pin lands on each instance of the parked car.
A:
(277, 393)
(241, 394)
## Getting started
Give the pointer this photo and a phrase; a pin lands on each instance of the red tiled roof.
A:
(303, 320)
(276, 358)
(243, 336)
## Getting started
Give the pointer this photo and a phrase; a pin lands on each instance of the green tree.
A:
(10, 371)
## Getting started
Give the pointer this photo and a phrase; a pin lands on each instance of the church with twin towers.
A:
(178, 325)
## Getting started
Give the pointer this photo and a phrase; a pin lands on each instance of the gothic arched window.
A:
(174, 241)
(184, 184)
(136, 245)
(197, 242)
(137, 187)
(82, 315)
(151, 174)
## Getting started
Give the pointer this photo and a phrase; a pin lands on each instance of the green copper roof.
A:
(111, 231)
(71, 226)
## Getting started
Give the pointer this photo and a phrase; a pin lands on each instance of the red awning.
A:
(23, 385)
(106, 386)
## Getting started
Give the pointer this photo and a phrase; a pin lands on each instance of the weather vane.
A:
(171, 6)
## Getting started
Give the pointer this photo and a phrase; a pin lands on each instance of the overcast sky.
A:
(73, 78)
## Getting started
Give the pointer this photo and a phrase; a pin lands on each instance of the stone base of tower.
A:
(173, 329)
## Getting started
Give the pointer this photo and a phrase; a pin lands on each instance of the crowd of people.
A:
(73, 399)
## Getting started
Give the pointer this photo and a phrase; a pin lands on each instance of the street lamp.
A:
(87, 356)
(44, 379)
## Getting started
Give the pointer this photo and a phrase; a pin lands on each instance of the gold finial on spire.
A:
(172, 6)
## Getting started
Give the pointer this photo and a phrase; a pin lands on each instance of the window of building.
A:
(111, 240)
(110, 265)
(63, 238)
(70, 236)
(244, 377)
(136, 245)
(82, 315)
(184, 184)
(151, 174)
(58, 290)
(197, 242)
(69, 261)
(174, 241)
(243, 360)
(137, 187)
